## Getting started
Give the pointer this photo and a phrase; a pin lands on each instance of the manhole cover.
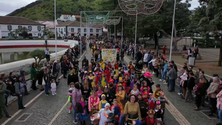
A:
(24, 117)
(207, 112)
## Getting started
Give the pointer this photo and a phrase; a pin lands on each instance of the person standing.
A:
(47, 54)
(76, 97)
(145, 59)
(2, 100)
(190, 85)
(164, 50)
(85, 62)
(211, 92)
(219, 105)
(46, 78)
(196, 51)
(20, 92)
(33, 72)
(172, 74)
(200, 92)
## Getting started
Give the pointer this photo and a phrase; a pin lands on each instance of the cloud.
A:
(8, 6)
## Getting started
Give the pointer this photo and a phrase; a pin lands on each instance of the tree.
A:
(38, 55)
(212, 22)
(16, 33)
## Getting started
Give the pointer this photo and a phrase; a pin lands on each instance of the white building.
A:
(8, 25)
(49, 24)
(73, 29)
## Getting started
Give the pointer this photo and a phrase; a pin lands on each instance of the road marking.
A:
(60, 111)
(176, 114)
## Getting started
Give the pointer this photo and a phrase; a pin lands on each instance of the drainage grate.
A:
(24, 117)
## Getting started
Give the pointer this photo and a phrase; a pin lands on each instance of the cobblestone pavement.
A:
(47, 110)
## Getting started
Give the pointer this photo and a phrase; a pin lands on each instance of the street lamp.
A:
(45, 38)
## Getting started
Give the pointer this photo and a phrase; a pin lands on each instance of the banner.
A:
(96, 18)
(109, 55)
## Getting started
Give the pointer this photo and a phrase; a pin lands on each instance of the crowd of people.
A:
(119, 93)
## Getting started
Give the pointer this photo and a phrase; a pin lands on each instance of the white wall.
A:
(0, 32)
(62, 28)
(34, 31)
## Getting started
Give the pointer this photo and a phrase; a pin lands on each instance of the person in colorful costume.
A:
(98, 76)
(102, 102)
(108, 73)
(93, 102)
(120, 95)
(156, 93)
(116, 67)
(152, 101)
(117, 111)
(150, 120)
(103, 80)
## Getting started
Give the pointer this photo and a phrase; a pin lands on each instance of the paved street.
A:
(53, 110)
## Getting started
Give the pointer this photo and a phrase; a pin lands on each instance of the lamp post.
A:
(46, 38)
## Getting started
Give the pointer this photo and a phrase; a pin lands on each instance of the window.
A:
(30, 28)
(85, 30)
(9, 27)
(19, 28)
(39, 28)
(72, 29)
(64, 29)
(59, 29)
(79, 30)
(39, 34)
(97, 30)
(91, 30)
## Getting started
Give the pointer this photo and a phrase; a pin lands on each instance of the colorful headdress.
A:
(151, 112)
(148, 75)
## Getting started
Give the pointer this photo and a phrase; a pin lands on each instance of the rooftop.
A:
(17, 20)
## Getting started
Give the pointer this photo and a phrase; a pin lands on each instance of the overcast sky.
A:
(7, 6)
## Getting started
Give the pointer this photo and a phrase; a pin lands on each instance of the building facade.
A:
(11, 26)
(73, 29)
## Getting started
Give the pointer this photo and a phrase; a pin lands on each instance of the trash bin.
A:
(192, 61)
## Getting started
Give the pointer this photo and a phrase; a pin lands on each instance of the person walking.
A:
(33, 72)
(145, 59)
(47, 54)
(2, 100)
(20, 92)
(164, 50)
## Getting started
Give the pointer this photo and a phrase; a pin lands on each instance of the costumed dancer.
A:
(152, 101)
(103, 80)
(120, 94)
(150, 120)
(159, 111)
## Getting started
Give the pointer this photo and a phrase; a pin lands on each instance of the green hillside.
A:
(44, 9)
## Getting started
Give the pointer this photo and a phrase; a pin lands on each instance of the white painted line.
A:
(60, 111)
(14, 115)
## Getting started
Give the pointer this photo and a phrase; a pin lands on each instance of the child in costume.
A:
(82, 111)
(159, 111)
(135, 91)
(103, 80)
(102, 102)
(145, 95)
(71, 89)
(91, 79)
(163, 102)
(108, 73)
(150, 120)
(117, 111)
(116, 79)
(98, 76)
(156, 93)
(152, 101)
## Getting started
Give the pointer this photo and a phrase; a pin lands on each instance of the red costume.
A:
(145, 96)
(150, 121)
(108, 74)
(98, 76)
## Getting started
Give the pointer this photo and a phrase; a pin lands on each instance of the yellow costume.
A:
(103, 82)
(92, 51)
(120, 96)
(102, 65)
(93, 83)
(117, 72)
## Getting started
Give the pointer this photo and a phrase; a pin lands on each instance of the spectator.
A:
(190, 85)
(33, 72)
(20, 92)
(2, 100)
(172, 74)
